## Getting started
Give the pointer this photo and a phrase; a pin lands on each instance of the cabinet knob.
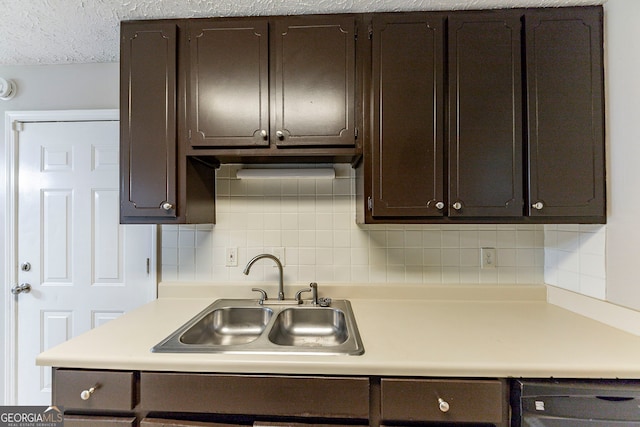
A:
(280, 135)
(86, 394)
(264, 134)
(166, 206)
(443, 405)
(457, 206)
(439, 205)
(538, 205)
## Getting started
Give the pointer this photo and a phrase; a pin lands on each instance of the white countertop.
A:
(453, 331)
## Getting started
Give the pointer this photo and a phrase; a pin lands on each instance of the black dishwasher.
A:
(575, 403)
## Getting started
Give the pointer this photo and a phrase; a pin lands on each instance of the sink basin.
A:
(245, 326)
(310, 327)
(228, 326)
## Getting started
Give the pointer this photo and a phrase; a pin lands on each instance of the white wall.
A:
(60, 87)
(623, 128)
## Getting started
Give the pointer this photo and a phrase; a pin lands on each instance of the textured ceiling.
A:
(75, 31)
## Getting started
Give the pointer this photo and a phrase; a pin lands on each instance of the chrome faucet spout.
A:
(278, 263)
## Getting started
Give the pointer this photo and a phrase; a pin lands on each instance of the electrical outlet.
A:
(231, 257)
(488, 257)
(279, 253)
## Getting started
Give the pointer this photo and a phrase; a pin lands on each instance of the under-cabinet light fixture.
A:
(264, 173)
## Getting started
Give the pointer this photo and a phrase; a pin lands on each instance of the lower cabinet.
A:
(443, 401)
(277, 396)
(161, 422)
(177, 399)
(157, 422)
(90, 421)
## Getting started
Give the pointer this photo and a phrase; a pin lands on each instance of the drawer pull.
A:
(86, 394)
(443, 405)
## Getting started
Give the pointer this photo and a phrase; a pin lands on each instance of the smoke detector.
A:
(7, 89)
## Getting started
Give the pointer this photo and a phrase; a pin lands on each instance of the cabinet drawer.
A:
(160, 422)
(342, 397)
(418, 400)
(86, 421)
(113, 390)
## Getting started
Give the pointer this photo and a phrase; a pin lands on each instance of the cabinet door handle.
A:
(457, 206)
(86, 394)
(443, 405)
(538, 205)
(280, 135)
(439, 205)
(166, 206)
(264, 134)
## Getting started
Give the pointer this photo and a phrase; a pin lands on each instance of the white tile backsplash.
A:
(574, 258)
(315, 222)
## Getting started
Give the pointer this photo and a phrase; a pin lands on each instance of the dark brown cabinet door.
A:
(160, 422)
(565, 109)
(148, 140)
(314, 81)
(421, 400)
(97, 421)
(228, 92)
(485, 115)
(407, 143)
(250, 395)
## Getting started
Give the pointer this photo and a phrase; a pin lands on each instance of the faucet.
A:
(278, 263)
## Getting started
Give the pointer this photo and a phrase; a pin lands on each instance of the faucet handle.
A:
(324, 302)
(263, 294)
(299, 294)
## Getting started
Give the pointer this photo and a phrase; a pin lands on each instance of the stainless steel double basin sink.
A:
(247, 326)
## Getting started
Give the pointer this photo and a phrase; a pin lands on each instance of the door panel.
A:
(566, 131)
(107, 239)
(315, 81)
(408, 131)
(229, 83)
(485, 115)
(85, 268)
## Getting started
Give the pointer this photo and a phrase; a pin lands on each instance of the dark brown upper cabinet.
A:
(148, 151)
(409, 177)
(565, 119)
(272, 83)
(228, 93)
(159, 184)
(314, 81)
(485, 115)
(408, 101)
(471, 116)
(510, 131)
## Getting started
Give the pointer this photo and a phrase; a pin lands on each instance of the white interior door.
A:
(82, 266)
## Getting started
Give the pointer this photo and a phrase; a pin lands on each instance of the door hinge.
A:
(370, 203)
(18, 126)
(370, 32)
(356, 133)
(148, 266)
(189, 135)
